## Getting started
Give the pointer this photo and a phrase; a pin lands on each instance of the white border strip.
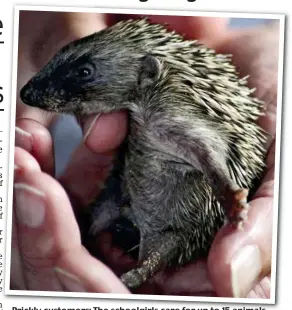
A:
(149, 12)
(281, 18)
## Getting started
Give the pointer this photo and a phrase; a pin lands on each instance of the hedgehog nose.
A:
(25, 94)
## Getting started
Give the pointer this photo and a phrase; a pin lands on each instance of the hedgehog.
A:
(193, 150)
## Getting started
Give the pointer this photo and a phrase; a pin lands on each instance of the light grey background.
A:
(67, 133)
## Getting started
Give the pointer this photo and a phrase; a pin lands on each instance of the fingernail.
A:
(70, 282)
(23, 139)
(45, 244)
(245, 269)
(29, 205)
(89, 126)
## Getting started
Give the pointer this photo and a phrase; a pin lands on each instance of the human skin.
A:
(46, 249)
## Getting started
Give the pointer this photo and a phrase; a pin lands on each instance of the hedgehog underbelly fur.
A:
(197, 226)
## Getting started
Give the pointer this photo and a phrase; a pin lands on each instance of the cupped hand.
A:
(46, 243)
(47, 254)
(244, 258)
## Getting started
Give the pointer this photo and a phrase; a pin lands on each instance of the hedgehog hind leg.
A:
(155, 253)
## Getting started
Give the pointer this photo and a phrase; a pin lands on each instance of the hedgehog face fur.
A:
(90, 80)
(193, 149)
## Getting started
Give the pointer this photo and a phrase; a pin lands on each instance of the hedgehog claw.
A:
(239, 211)
(132, 279)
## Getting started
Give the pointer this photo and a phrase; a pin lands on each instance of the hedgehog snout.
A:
(28, 95)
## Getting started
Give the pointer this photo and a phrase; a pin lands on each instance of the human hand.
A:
(245, 257)
(46, 246)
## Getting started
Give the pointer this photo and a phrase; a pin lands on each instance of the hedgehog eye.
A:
(85, 72)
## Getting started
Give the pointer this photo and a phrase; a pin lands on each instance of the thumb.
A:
(238, 260)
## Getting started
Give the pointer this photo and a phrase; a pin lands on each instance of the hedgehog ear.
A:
(149, 71)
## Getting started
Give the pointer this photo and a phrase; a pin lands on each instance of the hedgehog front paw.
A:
(132, 279)
(103, 216)
(239, 211)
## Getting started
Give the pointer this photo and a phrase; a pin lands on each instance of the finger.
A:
(94, 275)
(92, 160)
(39, 239)
(44, 221)
(17, 280)
(85, 175)
(36, 139)
(205, 29)
(261, 290)
(23, 162)
(243, 258)
(190, 280)
(105, 132)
